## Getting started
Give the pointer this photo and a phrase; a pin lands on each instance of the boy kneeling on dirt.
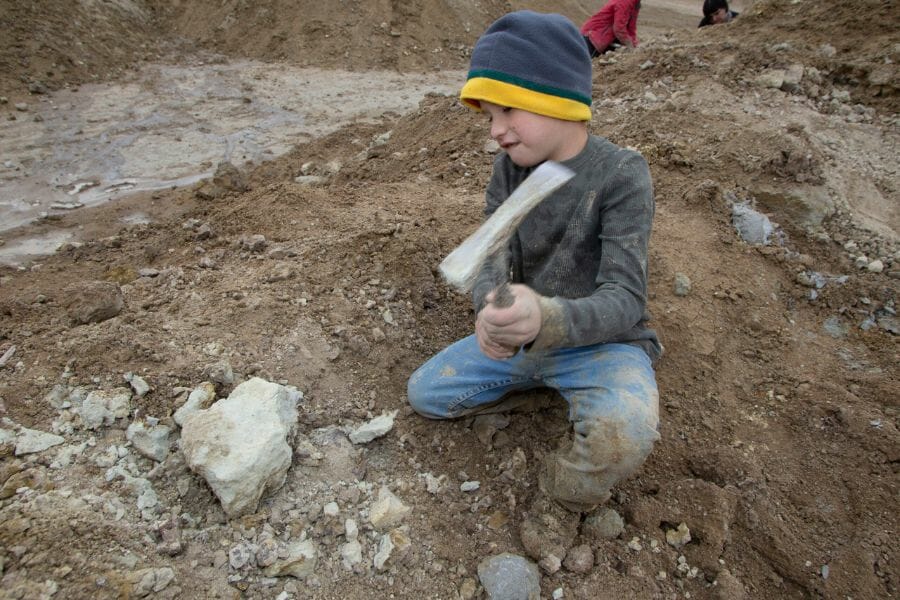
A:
(578, 263)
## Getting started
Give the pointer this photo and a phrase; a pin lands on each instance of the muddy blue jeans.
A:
(613, 406)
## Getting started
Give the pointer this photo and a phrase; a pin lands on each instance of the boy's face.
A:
(720, 16)
(529, 138)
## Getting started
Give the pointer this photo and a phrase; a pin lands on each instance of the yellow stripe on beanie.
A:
(513, 96)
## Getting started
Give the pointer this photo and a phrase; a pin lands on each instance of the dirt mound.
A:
(47, 44)
(354, 36)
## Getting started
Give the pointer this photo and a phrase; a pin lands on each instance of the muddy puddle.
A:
(170, 126)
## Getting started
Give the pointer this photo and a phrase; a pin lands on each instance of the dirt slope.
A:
(779, 402)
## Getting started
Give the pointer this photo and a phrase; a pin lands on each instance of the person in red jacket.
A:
(612, 26)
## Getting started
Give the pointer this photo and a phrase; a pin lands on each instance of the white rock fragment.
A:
(677, 538)
(147, 581)
(434, 485)
(30, 441)
(103, 407)
(375, 428)
(876, 266)
(387, 511)
(300, 561)
(469, 486)
(200, 398)
(351, 554)
(138, 384)
(7, 356)
(152, 442)
(66, 455)
(7, 436)
(393, 544)
(351, 529)
(240, 444)
(385, 547)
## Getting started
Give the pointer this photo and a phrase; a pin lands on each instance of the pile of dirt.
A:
(779, 389)
(47, 45)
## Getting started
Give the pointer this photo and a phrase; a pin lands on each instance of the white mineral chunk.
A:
(469, 486)
(148, 581)
(138, 384)
(103, 407)
(375, 428)
(351, 554)
(30, 441)
(388, 511)
(385, 547)
(300, 561)
(240, 444)
(152, 442)
(200, 398)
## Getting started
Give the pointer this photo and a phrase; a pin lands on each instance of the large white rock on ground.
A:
(240, 444)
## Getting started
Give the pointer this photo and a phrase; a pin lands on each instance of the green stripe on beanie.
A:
(543, 53)
(544, 89)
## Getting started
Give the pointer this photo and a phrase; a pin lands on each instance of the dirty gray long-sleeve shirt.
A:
(583, 249)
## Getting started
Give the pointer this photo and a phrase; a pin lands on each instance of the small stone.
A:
(491, 147)
(677, 538)
(138, 384)
(469, 486)
(388, 511)
(509, 577)
(550, 564)
(376, 428)
(152, 442)
(148, 581)
(200, 398)
(239, 556)
(579, 559)
(30, 441)
(876, 266)
(468, 588)
(93, 301)
(351, 554)
(606, 524)
(682, 284)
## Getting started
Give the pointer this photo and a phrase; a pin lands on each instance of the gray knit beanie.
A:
(532, 61)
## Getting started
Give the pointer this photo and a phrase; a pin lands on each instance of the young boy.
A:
(578, 264)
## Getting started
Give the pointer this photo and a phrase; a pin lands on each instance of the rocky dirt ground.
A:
(317, 270)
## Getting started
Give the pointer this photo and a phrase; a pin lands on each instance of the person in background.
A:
(612, 27)
(716, 12)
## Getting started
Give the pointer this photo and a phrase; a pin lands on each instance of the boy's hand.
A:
(502, 331)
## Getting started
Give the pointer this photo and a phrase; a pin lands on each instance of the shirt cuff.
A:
(553, 331)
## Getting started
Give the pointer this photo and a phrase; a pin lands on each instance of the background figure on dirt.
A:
(577, 266)
(612, 27)
(716, 12)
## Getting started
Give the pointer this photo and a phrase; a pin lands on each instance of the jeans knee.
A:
(421, 397)
(621, 444)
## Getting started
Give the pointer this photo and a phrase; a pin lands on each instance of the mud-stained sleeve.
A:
(618, 302)
(554, 330)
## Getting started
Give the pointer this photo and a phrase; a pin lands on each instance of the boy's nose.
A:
(498, 128)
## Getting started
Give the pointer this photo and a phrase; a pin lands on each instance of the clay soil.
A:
(779, 400)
